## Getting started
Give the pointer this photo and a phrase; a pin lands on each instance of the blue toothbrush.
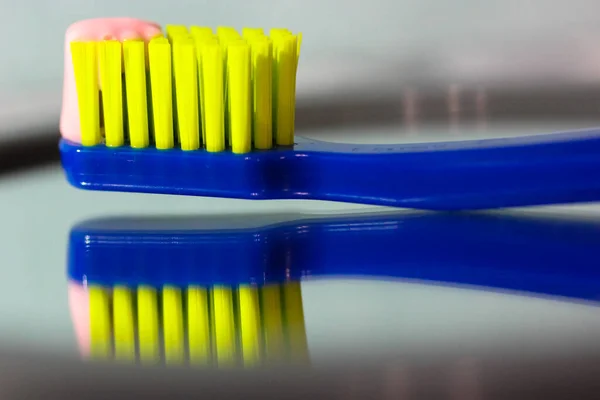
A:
(205, 112)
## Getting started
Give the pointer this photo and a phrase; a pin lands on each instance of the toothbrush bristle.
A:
(136, 90)
(218, 326)
(85, 67)
(110, 61)
(191, 89)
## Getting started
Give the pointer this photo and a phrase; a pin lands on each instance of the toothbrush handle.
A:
(481, 176)
(549, 169)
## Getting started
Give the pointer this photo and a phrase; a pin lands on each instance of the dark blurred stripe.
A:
(39, 149)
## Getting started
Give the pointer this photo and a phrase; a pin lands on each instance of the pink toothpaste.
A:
(79, 307)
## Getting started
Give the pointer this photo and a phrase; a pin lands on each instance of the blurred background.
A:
(370, 71)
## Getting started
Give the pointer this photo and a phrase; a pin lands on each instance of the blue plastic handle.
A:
(537, 255)
(467, 175)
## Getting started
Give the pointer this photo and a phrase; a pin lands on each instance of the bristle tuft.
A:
(85, 67)
(223, 326)
(213, 96)
(173, 325)
(111, 79)
(174, 31)
(270, 299)
(186, 83)
(159, 53)
(294, 322)
(198, 326)
(100, 324)
(250, 327)
(262, 81)
(137, 103)
(123, 325)
(238, 80)
(148, 325)
(192, 89)
(285, 59)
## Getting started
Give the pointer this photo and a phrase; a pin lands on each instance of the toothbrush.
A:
(155, 305)
(225, 291)
(164, 123)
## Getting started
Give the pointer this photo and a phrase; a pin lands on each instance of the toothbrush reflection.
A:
(225, 291)
(219, 325)
(150, 292)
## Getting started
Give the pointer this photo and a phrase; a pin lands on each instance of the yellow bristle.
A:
(202, 36)
(100, 327)
(85, 68)
(213, 110)
(159, 54)
(174, 31)
(285, 58)
(135, 82)
(278, 33)
(298, 49)
(201, 33)
(295, 75)
(173, 325)
(252, 33)
(223, 326)
(294, 313)
(111, 77)
(227, 34)
(272, 323)
(250, 327)
(238, 81)
(198, 325)
(261, 53)
(186, 92)
(123, 325)
(148, 325)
